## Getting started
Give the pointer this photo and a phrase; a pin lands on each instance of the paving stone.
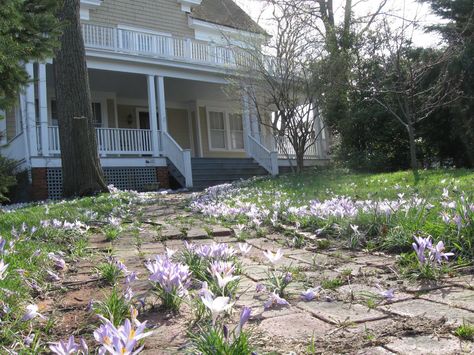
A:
(171, 234)
(430, 310)
(196, 233)
(358, 269)
(378, 350)
(463, 280)
(417, 287)
(426, 344)
(218, 231)
(453, 296)
(362, 292)
(337, 312)
(276, 311)
(300, 326)
(312, 259)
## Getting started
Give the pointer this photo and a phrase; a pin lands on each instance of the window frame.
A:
(227, 130)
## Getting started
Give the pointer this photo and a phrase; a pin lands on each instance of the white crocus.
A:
(3, 270)
(216, 305)
(273, 257)
(223, 281)
(244, 248)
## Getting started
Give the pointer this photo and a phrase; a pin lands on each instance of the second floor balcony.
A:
(187, 50)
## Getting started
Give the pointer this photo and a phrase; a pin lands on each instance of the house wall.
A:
(205, 141)
(157, 15)
(123, 111)
(178, 126)
(111, 113)
(11, 123)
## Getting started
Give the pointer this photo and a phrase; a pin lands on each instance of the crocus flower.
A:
(244, 248)
(217, 305)
(224, 280)
(275, 299)
(386, 294)
(310, 294)
(273, 257)
(59, 263)
(52, 276)
(420, 247)
(31, 312)
(170, 252)
(133, 276)
(244, 316)
(437, 252)
(3, 270)
(65, 347)
(260, 288)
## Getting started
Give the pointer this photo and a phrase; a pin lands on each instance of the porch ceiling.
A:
(134, 86)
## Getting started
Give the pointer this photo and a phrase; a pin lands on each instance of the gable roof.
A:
(225, 13)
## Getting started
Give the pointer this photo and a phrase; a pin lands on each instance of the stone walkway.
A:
(346, 317)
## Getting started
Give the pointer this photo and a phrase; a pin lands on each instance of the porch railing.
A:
(266, 158)
(113, 141)
(162, 46)
(181, 158)
(285, 148)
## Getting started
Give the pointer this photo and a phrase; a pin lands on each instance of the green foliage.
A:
(109, 272)
(465, 331)
(7, 176)
(219, 340)
(115, 307)
(29, 31)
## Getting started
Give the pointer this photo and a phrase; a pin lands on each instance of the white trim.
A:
(227, 140)
(119, 162)
(143, 30)
(195, 23)
(87, 5)
(190, 130)
(187, 5)
(198, 128)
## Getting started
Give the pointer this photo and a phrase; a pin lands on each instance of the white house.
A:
(156, 71)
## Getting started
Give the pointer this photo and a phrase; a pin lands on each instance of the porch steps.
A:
(213, 171)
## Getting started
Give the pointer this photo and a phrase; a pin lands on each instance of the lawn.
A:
(373, 211)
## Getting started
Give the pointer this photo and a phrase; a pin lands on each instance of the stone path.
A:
(346, 317)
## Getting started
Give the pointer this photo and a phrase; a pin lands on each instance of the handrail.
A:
(162, 46)
(181, 158)
(266, 158)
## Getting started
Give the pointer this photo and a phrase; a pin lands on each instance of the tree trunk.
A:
(82, 173)
(413, 159)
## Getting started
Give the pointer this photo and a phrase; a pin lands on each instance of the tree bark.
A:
(82, 173)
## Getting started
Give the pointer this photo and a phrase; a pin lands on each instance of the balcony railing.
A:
(161, 46)
(111, 141)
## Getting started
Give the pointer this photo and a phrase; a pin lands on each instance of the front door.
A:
(143, 120)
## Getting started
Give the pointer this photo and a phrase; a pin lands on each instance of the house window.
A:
(217, 129)
(236, 131)
(226, 130)
(96, 113)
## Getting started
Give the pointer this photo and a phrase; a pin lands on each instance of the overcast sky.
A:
(403, 8)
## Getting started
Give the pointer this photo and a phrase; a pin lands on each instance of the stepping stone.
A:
(218, 231)
(296, 325)
(339, 312)
(171, 234)
(426, 344)
(378, 350)
(452, 296)
(364, 292)
(196, 233)
(430, 310)
(464, 281)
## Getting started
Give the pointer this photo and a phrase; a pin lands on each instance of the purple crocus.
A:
(244, 317)
(386, 294)
(420, 247)
(65, 347)
(310, 294)
(31, 312)
(273, 300)
(260, 288)
(437, 252)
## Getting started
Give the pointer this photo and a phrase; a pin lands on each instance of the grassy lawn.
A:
(34, 242)
(373, 211)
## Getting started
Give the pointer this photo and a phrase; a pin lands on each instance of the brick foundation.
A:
(39, 184)
(162, 176)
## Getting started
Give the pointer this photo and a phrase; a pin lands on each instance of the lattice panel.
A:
(139, 179)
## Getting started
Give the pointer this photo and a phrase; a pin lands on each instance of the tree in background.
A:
(458, 32)
(282, 83)
(82, 173)
(28, 31)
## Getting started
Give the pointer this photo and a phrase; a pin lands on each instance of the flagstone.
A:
(452, 296)
(429, 344)
(295, 325)
(339, 312)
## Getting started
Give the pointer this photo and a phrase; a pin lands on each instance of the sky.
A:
(399, 8)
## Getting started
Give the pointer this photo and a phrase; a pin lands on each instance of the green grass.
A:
(465, 331)
(376, 231)
(28, 259)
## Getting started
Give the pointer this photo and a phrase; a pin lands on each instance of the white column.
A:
(318, 132)
(3, 127)
(30, 118)
(43, 109)
(254, 122)
(246, 121)
(152, 115)
(160, 85)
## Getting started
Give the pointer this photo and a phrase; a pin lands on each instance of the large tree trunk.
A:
(82, 173)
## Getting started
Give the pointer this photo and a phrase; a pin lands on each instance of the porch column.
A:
(160, 94)
(254, 122)
(43, 109)
(30, 118)
(3, 127)
(318, 133)
(152, 115)
(246, 122)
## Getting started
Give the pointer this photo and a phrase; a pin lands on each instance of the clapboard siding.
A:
(157, 15)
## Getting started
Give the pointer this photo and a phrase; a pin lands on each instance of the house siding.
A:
(178, 126)
(157, 15)
(11, 124)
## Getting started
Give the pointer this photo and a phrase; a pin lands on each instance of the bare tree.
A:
(82, 173)
(415, 83)
(277, 81)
